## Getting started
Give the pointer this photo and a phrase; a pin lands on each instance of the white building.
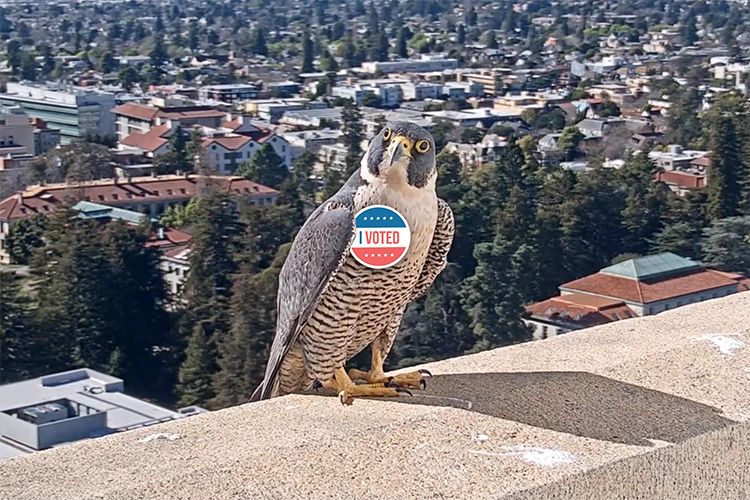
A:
(225, 152)
(75, 111)
(425, 64)
(420, 91)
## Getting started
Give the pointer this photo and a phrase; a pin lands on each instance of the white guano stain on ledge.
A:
(724, 343)
(540, 456)
(170, 437)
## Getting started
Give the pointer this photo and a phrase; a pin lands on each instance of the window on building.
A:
(679, 303)
(666, 306)
(651, 310)
(101, 197)
(115, 196)
(182, 190)
(544, 332)
(129, 195)
(170, 192)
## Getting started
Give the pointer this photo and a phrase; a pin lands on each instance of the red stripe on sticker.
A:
(379, 256)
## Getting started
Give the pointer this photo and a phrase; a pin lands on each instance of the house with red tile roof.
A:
(148, 195)
(238, 140)
(134, 118)
(637, 287)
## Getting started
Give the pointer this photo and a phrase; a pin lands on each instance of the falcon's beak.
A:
(400, 147)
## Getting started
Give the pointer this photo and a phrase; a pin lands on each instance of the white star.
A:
(391, 255)
(378, 218)
(391, 218)
(365, 255)
(378, 255)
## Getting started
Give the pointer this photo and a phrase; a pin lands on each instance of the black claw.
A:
(391, 383)
(423, 384)
(317, 385)
(406, 391)
(425, 372)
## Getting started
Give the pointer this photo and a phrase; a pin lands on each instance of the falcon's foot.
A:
(348, 390)
(414, 380)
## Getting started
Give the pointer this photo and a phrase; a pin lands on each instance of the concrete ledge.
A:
(644, 408)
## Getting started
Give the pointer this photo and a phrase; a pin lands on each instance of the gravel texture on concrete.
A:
(660, 392)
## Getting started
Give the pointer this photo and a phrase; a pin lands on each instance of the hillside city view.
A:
(157, 159)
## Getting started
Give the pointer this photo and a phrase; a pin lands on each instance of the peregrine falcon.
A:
(330, 307)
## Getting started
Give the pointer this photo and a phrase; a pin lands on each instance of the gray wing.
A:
(319, 250)
(437, 257)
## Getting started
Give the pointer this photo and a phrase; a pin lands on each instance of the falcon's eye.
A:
(423, 146)
(387, 133)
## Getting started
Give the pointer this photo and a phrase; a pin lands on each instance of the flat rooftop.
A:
(654, 407)
(88, 387)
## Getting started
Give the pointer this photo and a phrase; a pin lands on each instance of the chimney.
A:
(20, 198)
(161, 233)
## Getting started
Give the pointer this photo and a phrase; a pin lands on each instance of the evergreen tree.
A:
(138, 319)
(259, 43)
(383, 46)
(688, 30)
(243, 354)
(592, 223)
(724, 192)
(351, 118)
(681, 238)
(401, 41)
(645, 205)
(76, 304)
(25, 236)
(449, 185)
(128, 76)
(212, 263)
(266, 168)
(17, 346)
(726, 245)
(14, 53)
(302, 171)
(28, 67)
(108, 64)
(196, 372)
(158, 56)
(491, 296)
(461, 34)
(307, 53)
(333, 179)
(682, 121)
(193, 36)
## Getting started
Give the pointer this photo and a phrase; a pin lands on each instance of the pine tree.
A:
(592, 223)
(266, 168)
(25, 236)
(158, 56)
(401, 49)
(243, 354)
(491, 297)
(28, 67)
(76, 311)
(138, 319)
(302, 171)
(351, 118)
(681, 238)
(307, 53)
(724, 191)
(683, 123)
(17, 343)
(461, 34)
(645, 204)
(450, 186)
(196, 372)
(382, 46)
(726, 245)
(259, 43)
(333, 179)
(212, 264)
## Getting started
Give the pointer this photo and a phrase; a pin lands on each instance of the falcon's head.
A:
(402, 152)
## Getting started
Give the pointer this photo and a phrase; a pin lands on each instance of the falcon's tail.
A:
(263, 392)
